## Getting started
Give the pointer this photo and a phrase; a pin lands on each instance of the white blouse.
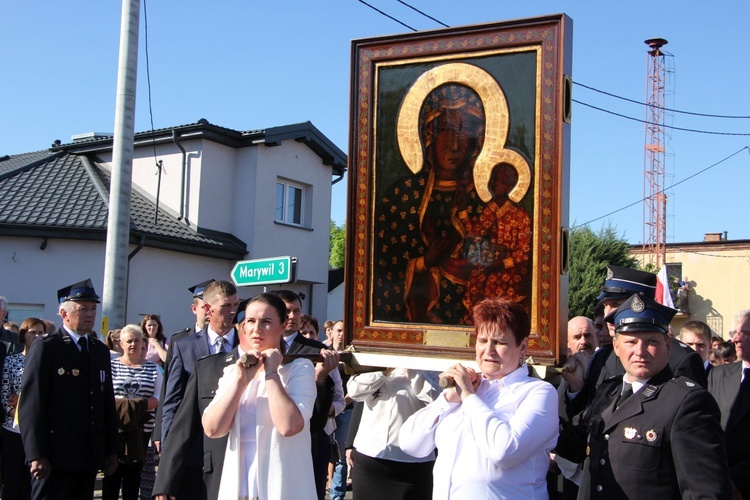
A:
(495, 444)
(279, 467)
(389, 401)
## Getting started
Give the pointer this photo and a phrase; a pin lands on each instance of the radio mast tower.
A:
(654, 168)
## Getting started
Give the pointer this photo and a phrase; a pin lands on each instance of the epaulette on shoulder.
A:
(685, 384)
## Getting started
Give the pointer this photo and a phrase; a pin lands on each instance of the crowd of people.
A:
(250, 404)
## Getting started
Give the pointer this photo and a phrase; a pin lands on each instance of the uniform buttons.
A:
(606, 437)
(599, 488)
(602, 461)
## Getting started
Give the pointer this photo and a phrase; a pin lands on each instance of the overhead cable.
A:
(710, 132)
(425, 15)
(746, 148)
(386, 15)
(733, 117)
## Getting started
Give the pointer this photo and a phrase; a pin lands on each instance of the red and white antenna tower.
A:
(654, 168)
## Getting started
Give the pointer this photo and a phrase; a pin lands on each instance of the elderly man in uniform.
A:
(650, 435)
(67, 405)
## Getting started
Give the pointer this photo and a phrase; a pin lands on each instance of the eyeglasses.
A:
(735, 332)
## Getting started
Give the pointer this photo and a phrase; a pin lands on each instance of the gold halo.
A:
(496, 126)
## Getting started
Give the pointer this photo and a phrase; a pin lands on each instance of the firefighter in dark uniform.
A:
(67, 405)
(650, 435)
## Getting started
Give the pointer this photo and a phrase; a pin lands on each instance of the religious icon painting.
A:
(458, 185)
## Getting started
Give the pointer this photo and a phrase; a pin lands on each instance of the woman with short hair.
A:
(137, 386)
(494, 428)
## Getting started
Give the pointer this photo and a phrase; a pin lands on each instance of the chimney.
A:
(712, 237)
(92, 136)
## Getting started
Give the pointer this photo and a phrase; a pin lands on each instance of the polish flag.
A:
(663, 296)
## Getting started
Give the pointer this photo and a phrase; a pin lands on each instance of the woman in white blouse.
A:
(14, 468)
(493, 429)
(266, 408)
(382, 469)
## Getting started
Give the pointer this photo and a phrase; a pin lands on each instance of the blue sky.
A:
(250, 65)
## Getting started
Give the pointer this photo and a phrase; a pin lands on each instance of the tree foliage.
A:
(590, 252)
(337, 246)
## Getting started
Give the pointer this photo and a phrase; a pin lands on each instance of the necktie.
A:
(220, 345)
(84, 347)
(626, 393)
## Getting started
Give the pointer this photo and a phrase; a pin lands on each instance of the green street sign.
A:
(269, 271)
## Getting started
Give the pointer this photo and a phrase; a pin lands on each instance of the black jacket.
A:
(67, 407)
(664, 442)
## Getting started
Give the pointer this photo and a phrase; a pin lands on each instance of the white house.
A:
(220, 196)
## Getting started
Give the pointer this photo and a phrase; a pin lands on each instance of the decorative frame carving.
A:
(520, 71)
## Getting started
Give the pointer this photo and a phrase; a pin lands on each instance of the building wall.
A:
(718, 275)
(158, 279)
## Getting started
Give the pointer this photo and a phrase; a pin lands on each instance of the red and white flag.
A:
(663, 295)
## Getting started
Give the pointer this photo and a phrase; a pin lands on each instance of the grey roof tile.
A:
(61, 194)
(9, 163)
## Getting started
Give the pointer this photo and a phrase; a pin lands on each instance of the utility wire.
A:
(709, 132)
(660, 107)
(386, 15)
(707, 115)
(425, 15)
(148, 79)
(746, 148)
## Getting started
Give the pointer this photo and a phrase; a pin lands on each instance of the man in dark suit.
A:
(67, 408)
(649, 435)
(730, 386)
(220, 306)
(187, 427)
(326, 379)
(200, 323)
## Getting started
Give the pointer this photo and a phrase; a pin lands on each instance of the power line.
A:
(660, 107)
(709, 132)
(746, 148)
(148, 79)
(425, 15)
(692, 113)
(386, 15)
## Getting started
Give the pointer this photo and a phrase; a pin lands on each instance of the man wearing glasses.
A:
(67, 405)
(730, 386)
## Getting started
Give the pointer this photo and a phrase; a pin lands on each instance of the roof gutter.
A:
(175, 138)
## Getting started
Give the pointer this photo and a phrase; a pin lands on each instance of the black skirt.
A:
(378, 478)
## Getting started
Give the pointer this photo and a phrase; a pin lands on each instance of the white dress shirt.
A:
(389, 401)
(495, 444)
(212, 336)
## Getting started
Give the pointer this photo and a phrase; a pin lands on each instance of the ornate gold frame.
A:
(458, 55)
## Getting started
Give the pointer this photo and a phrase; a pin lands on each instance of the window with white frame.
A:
(289, 202)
